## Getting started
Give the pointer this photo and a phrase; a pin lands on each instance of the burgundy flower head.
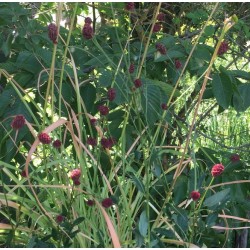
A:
(53, 32)
(88, 20)
(59, 218)
(217, 170)
(108, 142)
(164, 106)
(75, 174)
(234, 158)
(195, 195)
(77, 182)
(161, 17)
(111, 94)
(137, 83)
(161, 48)
(87, 31)
(104, 110)
(92, 141)
(157, 27)
(224, 47)
(90, 203)
(23, 174)
(18, 122)
(178, 64)
(93, 121)
(57, 143)
(44, 138)
(107, 202)
(131, 68)
(129, 6)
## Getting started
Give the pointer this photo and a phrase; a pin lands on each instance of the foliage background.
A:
(45, 82)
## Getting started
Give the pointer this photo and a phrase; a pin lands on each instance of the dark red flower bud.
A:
(87, 31)
(24, 174)
(107, 202)
(234, 158)
(161, 48)
(157, 27)
(44, 138)
(138, 83)
(57, 143)
(111, 94)
(224, 47)
(59, 218)
(131, 68)
(88, 20)
(164, 106)
(77, 182)
(108, 142)
(178, 64)
(217, 170)
(195, 195)
(104, 110)
(129, 6)
(91, 141)
(18, 122)
(75, 174)
(161, 17)
(93, 121)
(90, 203)
(53, 33)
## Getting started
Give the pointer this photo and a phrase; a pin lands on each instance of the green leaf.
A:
(138, 183)
(88, 94)
(78, 221)
(217, 199)
(241, 100)
(143, 224)
(240, 74)
(222, 89)
(211, 219)
(169, 55)
(105, 78)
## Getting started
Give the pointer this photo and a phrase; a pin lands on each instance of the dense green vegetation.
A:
(124, 124)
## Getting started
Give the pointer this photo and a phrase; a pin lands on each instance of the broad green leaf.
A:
(241, 100)
(105, 78)
(222, 89)
(240, 74)
(218, 198)
(143, 224)
(88, 94)
(211, 219)
(78, 221)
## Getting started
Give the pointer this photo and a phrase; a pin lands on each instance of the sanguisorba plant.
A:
(98, 171)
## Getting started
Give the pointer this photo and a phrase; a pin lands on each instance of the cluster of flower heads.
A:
(106, 203)
(216, 170)
(87, 30)
(158, 25)
(44, 138)
(53, 32)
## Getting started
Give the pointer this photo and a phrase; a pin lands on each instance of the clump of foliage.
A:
(124, 125)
